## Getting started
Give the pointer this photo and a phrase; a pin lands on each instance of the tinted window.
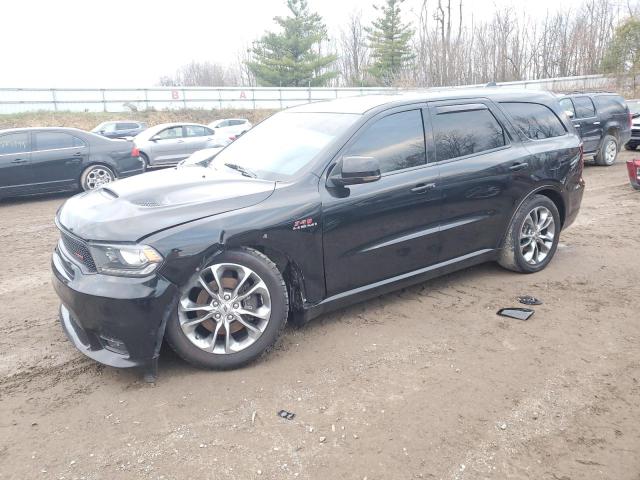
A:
(52, 140)
(236, 122)
(567, 105)
(612, 104)
(462, 133)
(535, 120)
(126, 126)
(14, 143)
(195, 131)
(584, 107)
(395, 141)
(167, 133)
(224, 123)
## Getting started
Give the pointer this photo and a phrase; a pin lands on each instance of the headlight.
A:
(125, 260)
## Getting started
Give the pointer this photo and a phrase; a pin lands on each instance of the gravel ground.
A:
(427, 382)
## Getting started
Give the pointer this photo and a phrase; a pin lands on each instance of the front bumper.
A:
(117, 321)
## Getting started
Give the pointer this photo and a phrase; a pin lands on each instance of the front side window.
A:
(567, 106)
(14, 143)
(54, 140)
(584, 107)
(264, 150)
(461, 133)
(169, 133)
(536, 121)
(395, 141)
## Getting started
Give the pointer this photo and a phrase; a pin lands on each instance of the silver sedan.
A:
(169, 143)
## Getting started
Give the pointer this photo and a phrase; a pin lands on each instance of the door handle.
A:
(19, 160)
(596, 123)
(518, 166)
(180, 141)
(422, 187)
(577, 125)
(77, 154)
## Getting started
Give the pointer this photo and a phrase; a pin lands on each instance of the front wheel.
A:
(230, 312)
(608, 151)
(96, 176)
(532, 237)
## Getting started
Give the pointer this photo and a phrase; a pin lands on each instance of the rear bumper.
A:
(114, 320)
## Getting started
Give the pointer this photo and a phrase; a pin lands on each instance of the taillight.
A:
(633, 168)
(135, 152)
(232, 138)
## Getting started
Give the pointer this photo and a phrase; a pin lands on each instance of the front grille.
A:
(78, 251)
(635, 132)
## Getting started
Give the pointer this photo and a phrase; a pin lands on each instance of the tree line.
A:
(440, 45)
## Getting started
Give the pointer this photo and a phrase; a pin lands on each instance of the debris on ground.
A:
(287, 415)
(517, 313)
(529, 300)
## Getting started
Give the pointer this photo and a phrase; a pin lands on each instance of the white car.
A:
(230, 128)
(201, 157)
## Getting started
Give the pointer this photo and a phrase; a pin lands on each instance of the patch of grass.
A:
(89, 120)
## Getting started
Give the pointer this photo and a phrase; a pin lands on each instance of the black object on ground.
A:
(517, 313)
(285, 414)
(529, 300)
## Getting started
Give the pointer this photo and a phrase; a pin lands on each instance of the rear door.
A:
(197, 137)
(587, 123)
(483, 172)
(375, 231)
(57, 160)
(15, 158)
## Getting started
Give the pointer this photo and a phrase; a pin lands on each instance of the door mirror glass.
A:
(354, 170)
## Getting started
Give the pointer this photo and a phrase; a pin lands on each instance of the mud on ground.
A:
(424, 383)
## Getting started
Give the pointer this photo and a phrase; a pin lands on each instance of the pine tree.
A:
(293, 58)
(623, 53)
(389, 42)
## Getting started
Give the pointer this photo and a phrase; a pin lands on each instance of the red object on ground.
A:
(633, 168)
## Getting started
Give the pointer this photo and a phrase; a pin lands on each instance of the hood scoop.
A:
(147, 203)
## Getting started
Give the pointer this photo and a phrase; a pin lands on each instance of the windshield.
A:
(634, 107)
(284, 144)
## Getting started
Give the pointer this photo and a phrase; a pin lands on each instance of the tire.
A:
(196, 344)
(96, 176)
(608, 152)
(512, 254)
(145, 160)
(630, 146)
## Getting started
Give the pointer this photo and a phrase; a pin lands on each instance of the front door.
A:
(15, 168)
(169, 146)
(378, 230)
(482, 172)
(57, 161)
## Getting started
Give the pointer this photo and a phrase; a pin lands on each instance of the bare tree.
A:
(354, 58)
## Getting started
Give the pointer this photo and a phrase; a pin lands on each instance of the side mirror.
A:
(569, 113)
(355, 170)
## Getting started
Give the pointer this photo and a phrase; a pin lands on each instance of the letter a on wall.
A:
(242, 94)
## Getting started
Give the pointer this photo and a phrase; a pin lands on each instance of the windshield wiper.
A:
(245, 171)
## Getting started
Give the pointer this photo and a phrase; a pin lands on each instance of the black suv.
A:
(366, 195)
(603, 121)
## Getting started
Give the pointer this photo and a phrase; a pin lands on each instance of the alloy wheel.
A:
(537, 235)
(610, 152)
(226, 309)
(98, 177)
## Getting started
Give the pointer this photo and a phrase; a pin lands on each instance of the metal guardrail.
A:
(14, 100)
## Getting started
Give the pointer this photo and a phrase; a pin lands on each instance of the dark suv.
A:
(120, 129)
(603, 121)
(367, 195)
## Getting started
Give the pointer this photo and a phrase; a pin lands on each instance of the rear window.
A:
(14, 143)
(611, 104)
(584, 107)
(535, 120)
(461, 133)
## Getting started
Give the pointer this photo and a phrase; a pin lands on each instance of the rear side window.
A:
(126, 126)
(236, 122)
(395, 141)
(536, 121)
(584, 107)
(54, 140)
(611, 104)
(14, 143)
(195, 131)
(461, 133)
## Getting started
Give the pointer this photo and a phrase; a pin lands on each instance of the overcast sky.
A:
(131, 43)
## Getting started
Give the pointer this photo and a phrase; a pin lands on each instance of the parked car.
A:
(120, 129)
(201, 157)
(169, 143)
(634, 109)
(633, 169)
(367, 195)
(603, 121)
(231, 128)
(46, 160)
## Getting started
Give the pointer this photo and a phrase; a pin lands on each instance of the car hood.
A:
(136, 207)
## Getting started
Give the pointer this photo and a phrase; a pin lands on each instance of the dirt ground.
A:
(424, 383)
